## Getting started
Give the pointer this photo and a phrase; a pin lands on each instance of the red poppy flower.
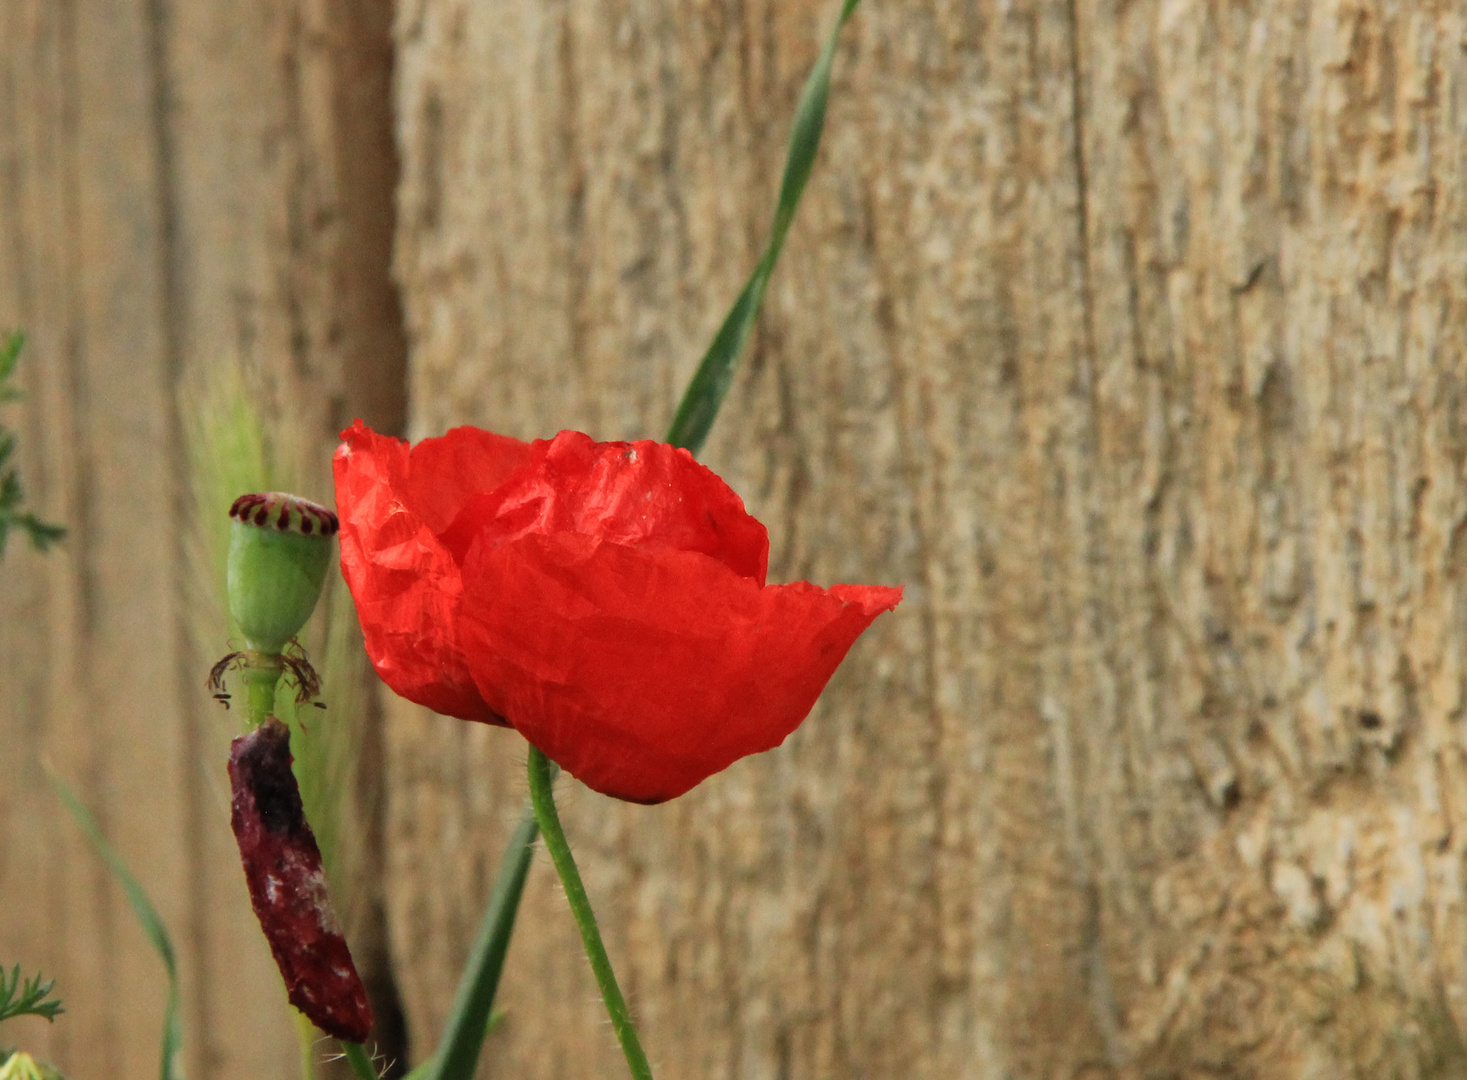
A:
(608, 600)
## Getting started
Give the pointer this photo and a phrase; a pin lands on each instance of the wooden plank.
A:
(109, 719)
(584, 187)
(284, 177)
(1128, 336)
(1277, 198)
(174, 200)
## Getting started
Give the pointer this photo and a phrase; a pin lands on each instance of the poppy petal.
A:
(642, 672)
(607, 598)
(642, 494)
(405, 583)
(445, 473)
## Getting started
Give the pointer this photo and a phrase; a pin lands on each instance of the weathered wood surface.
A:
(182, 186)
(1129, 336)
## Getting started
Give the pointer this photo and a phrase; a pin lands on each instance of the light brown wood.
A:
(1129, 338)
(185, 188)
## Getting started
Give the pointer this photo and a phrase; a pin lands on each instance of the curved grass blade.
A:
(147, 917)
(710, 383)
(469, 1022)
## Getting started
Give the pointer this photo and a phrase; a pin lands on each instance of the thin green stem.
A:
(359, 1060)
(262, 672)
(542, 795)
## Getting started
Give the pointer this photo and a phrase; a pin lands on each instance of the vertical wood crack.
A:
(1077, 124)
(192, 749)
(1100, 990)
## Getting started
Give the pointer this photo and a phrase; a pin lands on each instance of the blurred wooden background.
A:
(184, 185)
(1128, 336)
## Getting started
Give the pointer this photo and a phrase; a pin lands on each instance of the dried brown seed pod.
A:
(282, 865)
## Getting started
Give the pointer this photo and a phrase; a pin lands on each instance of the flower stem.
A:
(360, 1062)
(542, 794)
(262, 671)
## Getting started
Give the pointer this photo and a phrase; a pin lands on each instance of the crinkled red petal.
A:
(608, 598)
(642, 672)
(446, 472)
(282, 866)
(646, 495)
(406, 585)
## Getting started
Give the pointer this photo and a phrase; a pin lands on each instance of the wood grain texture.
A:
(1129, 337)
(183, 187)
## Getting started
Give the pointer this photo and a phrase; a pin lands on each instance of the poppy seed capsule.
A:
(279, 547)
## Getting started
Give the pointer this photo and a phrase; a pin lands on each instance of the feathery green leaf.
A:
(26, 997)
(42, 535)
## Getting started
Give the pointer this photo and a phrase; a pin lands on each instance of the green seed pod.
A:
(279, 547)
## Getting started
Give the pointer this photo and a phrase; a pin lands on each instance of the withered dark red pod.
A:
(282, 865)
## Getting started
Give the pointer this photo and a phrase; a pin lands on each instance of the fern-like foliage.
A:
(26, 997)
(42, 535)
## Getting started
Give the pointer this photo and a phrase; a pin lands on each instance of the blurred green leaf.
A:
(325, 741)
(710, 383)
(10, 347)
(147, 917)
(42, 534)
(26, 997)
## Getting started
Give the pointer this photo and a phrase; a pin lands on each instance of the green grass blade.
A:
(147, 917)
(710, 383)
(704, 396)
(468, 1023)
(325, 740)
